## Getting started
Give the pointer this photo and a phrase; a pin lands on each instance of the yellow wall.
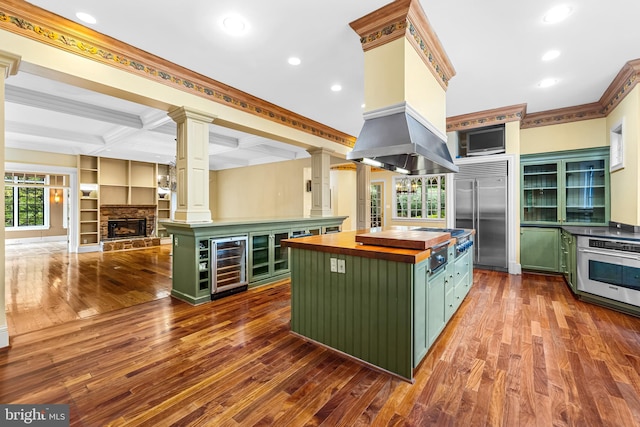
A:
(567, 136)
(625, 188)
(384, 75)
(17, 155)
(422, 90)
(343, 197)
(513, 146)
(262, 191)
(394, 73)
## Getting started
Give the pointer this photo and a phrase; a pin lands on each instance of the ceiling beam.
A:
(52, 133)
(32, 98)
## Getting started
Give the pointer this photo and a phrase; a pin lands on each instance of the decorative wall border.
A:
(620, 87)
(486, 118)
(24, 19)
(405, 18)
(563, 115)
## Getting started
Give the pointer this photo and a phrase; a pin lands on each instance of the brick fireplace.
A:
(124, 216)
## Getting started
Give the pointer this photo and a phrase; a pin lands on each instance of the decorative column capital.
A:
(10, 62)
(320, 150)
(181, 114)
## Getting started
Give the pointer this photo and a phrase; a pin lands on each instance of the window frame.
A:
(18, 181)
(420, 194)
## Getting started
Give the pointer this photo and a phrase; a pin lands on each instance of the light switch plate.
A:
(334, 265)
(341, 266)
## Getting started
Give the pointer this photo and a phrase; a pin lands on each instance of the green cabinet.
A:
(267, 260)
(570, 188)
(539, 248)
(267, 257)
(437, 314)
(569, 258)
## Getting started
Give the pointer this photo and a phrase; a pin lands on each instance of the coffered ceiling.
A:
(496, 48)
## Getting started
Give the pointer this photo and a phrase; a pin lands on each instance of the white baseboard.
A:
(515, 268)
(89, 248)
(4, 336)
(62, 238)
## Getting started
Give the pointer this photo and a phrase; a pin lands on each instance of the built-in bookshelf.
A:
(107, 181)
(88, 167)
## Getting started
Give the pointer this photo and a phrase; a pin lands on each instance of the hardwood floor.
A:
(46, 286)
(521, 351)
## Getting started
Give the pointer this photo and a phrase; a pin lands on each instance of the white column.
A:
(9, 64)
(363, 195)
(192, 165)
(320, 181)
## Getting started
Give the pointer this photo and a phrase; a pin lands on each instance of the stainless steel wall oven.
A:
(609, 268)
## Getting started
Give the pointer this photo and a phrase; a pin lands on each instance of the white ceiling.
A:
(495, 46)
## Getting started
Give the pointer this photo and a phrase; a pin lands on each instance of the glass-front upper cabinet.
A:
(570, 188)
(540, 192)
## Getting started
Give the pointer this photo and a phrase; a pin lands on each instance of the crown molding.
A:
(406, 18)
(486, 118)
(563, 115)
(621, 85)
(10, 63)
(24, 19)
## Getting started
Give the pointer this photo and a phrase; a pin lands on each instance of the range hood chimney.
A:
(406, 76)
(400, 140)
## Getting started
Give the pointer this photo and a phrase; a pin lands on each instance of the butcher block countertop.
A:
(416, 246)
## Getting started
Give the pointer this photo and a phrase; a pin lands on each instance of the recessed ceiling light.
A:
(557, 14)
(363, 105)
(547, 82)
(336, 88)
(86, 18)
(552, 54)
(294, 60)
(234, 25)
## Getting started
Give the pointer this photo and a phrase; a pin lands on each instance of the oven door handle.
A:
(614, 255)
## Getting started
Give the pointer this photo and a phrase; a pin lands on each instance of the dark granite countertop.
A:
(605, 232)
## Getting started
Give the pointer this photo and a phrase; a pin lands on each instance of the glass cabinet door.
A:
(585, 192)
(280, 253)
(259, 253)
(540, 192)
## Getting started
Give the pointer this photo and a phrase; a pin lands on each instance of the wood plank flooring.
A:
(46, 286)
(521, 351)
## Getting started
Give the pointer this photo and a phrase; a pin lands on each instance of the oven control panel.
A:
(614, 245)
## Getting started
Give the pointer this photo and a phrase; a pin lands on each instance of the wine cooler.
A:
(229, 266)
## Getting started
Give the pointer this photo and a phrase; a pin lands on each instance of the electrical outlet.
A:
(341, 266)
(334, 265)
(175, 241)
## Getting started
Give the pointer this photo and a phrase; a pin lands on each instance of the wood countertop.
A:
(345, 243)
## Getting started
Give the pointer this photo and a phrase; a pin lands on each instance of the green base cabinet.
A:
(569, 257)
(539, 249)
(267, 257)
(385, 313)
(267, 261)
(365, 312)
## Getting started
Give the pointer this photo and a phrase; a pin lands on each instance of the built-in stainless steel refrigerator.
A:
(481, 204)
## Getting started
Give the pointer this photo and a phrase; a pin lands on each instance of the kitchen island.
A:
(382, 305)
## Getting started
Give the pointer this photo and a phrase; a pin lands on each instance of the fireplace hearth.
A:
(126, 228)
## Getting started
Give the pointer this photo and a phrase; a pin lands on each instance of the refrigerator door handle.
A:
(476, 222)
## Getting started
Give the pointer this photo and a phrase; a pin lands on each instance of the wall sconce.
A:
(56, 197)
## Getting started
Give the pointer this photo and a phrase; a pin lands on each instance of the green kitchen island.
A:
(382, 305)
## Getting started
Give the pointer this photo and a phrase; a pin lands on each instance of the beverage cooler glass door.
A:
(229, 257)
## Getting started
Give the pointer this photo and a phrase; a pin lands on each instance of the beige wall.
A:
(262, 191)
(343, 196)
(394, 73)
(513, 145)
(16, 155)
(567, 136)
(625, 188)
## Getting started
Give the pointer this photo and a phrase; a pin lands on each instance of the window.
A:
(420, 197)
(25, 201)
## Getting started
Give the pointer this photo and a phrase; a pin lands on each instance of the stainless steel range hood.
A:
(397, 138)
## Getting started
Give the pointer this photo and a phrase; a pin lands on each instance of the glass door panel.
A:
(280, 253)
(585, 191)
(540, 193)
(259, 255)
